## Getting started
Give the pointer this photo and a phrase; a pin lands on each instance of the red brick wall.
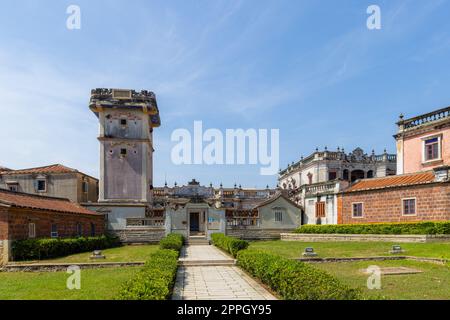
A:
(66, 223)
(3, 223)
(432, 203)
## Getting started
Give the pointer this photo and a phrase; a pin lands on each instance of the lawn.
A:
(432, 283)
(294, 249)
(133, 253)
(96, 284)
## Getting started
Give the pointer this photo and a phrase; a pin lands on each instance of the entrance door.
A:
(194, 218)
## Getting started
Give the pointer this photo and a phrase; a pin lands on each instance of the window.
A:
(432, 149)
(41, 185)
(92, 229)
(79, 229)
(54, 233)
(332, 175)
(13, 187)
(123, 152)
(123, 122)
(85, 186)
(357, 210)
(278, 216)
(31, 230)
(409, 206)
(320, 209)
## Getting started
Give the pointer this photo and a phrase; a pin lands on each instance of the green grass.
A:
(120, 254)
(96, 284)
(432, 283)
(294, 249)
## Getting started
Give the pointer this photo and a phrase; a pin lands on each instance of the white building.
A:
(314, 182)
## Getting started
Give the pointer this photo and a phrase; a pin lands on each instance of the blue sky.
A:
(309, 68)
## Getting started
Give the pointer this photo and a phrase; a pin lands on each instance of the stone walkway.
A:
(214, 282)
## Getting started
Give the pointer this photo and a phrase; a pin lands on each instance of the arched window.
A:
(345, 175)
(370, 174)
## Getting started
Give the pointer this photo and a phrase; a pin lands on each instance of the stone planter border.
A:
(400, 238)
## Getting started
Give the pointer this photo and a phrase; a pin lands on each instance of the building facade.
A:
(421, 196)
(126, 122)
(194, 210)
(53, 181)
(26, 216)
(423, 142)
(421, 190)
(315, 182)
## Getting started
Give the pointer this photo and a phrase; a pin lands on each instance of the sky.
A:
(311, 69)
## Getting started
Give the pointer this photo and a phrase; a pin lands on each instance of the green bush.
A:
(39, 249)
(172, 241)
(441, 227)
(294, 280)
(229, 244)
(156, 279)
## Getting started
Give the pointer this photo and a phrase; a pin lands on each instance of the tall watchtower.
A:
(127, 119)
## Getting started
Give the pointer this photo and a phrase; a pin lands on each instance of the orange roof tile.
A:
(393, 181)
(25, 200)
(54, 168)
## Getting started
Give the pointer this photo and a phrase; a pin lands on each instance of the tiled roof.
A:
(393, 181)
(275, 197)
(54, 168)
(25, 200)
(4, 169)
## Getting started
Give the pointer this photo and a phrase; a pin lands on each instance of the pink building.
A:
(423, 142)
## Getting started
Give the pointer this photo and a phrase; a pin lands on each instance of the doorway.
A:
(194, 222)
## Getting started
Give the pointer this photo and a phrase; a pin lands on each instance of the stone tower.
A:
(127, 119)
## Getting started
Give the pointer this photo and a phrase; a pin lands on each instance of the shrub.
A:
(294, 280)
(32, 249)
(229, 244)
(156, 279)
(442, 227)
(172, 241)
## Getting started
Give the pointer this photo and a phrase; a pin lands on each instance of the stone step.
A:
(202, 263)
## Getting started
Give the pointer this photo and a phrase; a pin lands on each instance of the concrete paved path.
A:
(214, 282)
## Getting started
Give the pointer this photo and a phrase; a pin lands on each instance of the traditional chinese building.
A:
(195, 210)
(315, 181)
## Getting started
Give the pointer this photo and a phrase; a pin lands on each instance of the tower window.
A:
(123, 152)
(123, 122)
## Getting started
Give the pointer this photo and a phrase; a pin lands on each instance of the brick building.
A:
(25, 216)
(420, 191)
(421, 196)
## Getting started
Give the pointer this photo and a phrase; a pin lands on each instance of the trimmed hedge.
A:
(294, 280)
(39, 249)
(442, 227)
(172, 241)
(229, 244)
(156, 279)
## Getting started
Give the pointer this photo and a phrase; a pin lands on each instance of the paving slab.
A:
(214, 282)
